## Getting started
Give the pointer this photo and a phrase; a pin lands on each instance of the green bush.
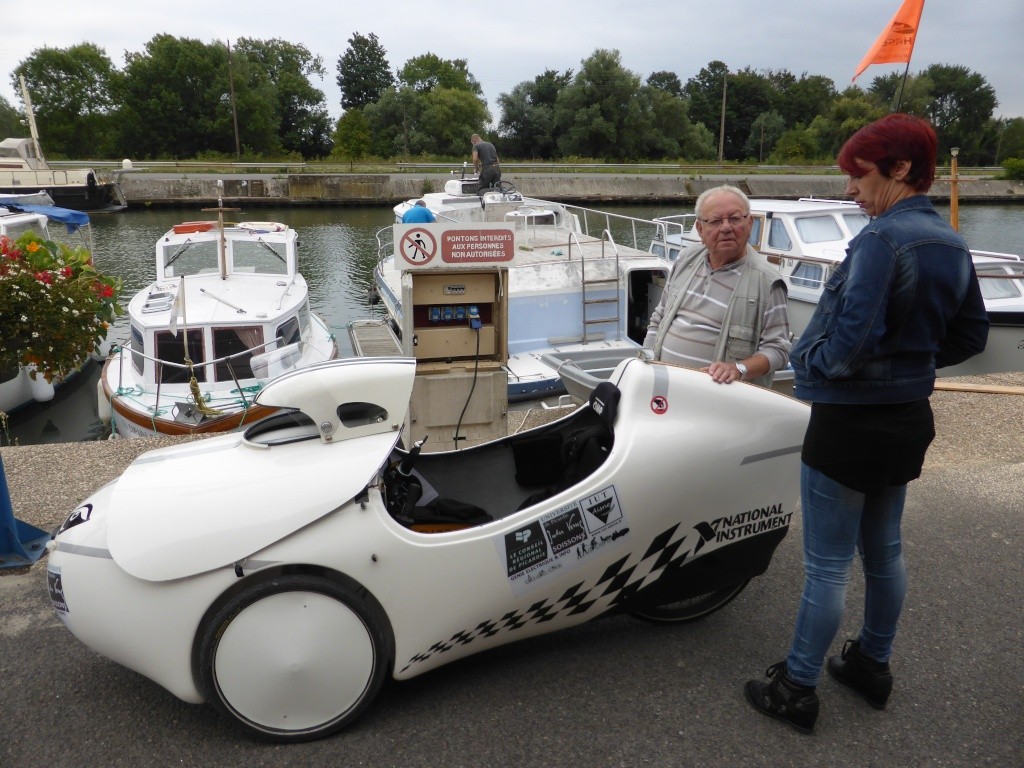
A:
(1013, 168)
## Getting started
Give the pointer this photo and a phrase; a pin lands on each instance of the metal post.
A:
(954, 200)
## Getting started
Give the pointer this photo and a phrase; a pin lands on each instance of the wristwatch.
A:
(742, 369)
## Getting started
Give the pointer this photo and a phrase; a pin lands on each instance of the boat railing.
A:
(641, 231)
(292, 353)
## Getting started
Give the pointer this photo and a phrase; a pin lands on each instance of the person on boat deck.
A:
(903, 302)
(418, 214)
(724, 307)
(485, 162)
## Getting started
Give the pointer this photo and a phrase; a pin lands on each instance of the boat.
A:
(572, 288)
(19, 386)
(23, 168)
(227, 312)
(807, 239)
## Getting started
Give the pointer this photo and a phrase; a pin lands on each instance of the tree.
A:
(300, 109)
(363, 72)
(962, 103)
(800, 100)
(704, 92)
(666, 81)
(176, 99)
(1010, 142)
(591, 113)
(426, 72)
(848, 114)
(11, 120)
(527, 127)
(352, 137)
(436, 122)
(765, 131)
(70, 90)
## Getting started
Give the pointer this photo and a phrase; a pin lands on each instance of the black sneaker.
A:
(783, 699)
(871, 679)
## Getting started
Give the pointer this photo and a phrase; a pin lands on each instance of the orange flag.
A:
(896, 42)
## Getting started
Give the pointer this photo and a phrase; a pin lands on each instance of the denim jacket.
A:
(903, 302)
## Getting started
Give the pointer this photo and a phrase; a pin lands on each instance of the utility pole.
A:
(234, 110)
(721, 127)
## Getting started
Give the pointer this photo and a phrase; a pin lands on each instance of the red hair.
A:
(888, 140)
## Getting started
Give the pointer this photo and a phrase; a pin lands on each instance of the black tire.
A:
(295, 657)
(691, 608)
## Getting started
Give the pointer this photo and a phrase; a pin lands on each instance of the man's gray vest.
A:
(744, 316)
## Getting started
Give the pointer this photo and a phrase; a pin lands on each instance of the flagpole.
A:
(903, 84)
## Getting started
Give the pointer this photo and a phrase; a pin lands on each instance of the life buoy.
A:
(262, 226)
(194, 226)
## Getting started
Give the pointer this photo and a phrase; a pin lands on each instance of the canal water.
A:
(338, 249)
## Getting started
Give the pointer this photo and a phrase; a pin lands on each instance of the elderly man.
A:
(724, 308)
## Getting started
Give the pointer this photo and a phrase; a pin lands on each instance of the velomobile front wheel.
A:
(296, 657)
(691, 608)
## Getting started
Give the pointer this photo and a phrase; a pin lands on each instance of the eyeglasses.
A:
(734, 221)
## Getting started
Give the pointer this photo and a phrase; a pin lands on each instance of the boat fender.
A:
(41, 389)
(102, 405)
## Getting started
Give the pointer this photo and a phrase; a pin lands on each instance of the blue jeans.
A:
(836, 522)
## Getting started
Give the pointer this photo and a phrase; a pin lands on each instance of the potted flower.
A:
(55, 307)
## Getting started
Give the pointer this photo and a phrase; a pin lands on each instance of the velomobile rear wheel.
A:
(691, 608)
(296, 657)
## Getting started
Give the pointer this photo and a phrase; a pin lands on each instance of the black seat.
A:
(570, 457)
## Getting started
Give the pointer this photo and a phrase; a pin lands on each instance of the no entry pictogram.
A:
(418, 247)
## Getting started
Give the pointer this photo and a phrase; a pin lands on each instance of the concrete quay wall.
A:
(388, 189)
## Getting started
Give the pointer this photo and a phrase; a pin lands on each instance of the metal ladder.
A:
(592, 303)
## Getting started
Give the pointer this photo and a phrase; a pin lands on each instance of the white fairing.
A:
(697, 469)
(162, 522)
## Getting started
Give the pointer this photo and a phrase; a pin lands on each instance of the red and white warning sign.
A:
(419, 245)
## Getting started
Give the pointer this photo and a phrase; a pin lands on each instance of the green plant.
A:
(54, 305)
(1013, 168)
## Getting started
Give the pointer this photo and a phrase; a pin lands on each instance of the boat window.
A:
(658, 250)
(288, 332)
(170, 348)
(778, 237)
(819, 229)
(855, 222)
(16, 230)
(673, 254)
(756, 227)
(361, 414)
(138, 349)
(259, 256)
(239, 342)
(190, 258)
(1000, 288)
(807, 275)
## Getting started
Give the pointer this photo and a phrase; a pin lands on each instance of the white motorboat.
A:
(227, 312)
(34, 213)
(22, 167)
(807, 238)
(572, 287)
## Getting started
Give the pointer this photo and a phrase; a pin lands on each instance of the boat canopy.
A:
(73, 220)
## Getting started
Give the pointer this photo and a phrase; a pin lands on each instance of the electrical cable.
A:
(476, 367)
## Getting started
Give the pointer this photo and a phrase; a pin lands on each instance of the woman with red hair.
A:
(903, 302)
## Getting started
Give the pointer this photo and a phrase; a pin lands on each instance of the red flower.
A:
(66, 271)
(44, 277)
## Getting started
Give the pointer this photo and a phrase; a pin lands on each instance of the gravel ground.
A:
(46, 482)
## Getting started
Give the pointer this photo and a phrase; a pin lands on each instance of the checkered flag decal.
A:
(620, 581)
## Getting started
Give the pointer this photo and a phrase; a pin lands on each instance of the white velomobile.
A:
(284, 572)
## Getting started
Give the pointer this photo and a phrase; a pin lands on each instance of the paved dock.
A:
(615, 692)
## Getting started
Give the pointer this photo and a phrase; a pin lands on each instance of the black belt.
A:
(490, 165)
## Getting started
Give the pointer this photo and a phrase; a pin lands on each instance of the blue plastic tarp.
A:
(73, 220)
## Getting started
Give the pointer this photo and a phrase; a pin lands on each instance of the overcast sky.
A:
(507, 43)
